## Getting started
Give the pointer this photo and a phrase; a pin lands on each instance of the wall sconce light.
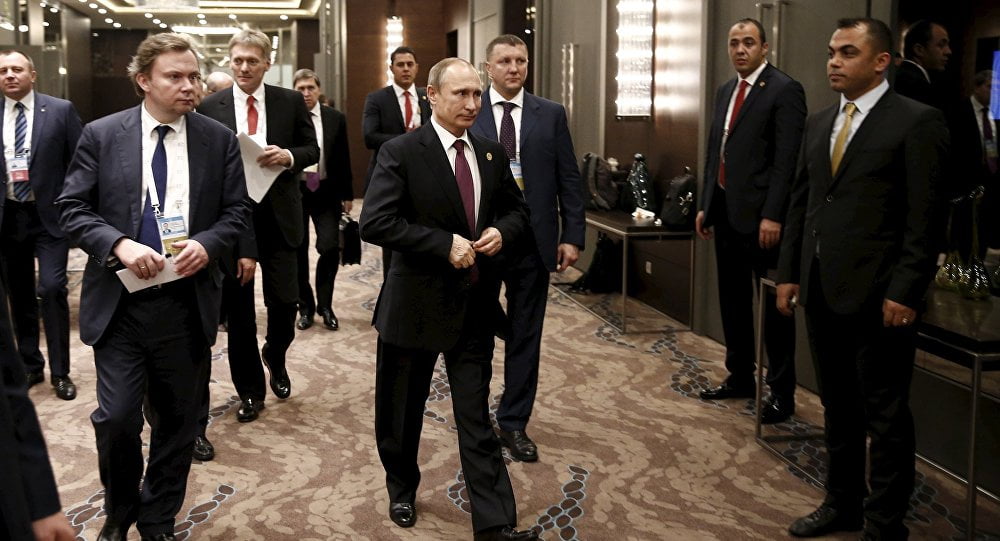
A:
(635, 58)
(393, 39)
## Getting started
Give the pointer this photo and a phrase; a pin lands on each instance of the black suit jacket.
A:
(413, 207)
(29, 487)
(876, 222)
(55, 131)
(911, 83)
(337, 186)
(382, 120)
(968, 166)
(289, 126)
(101, 203)
(761, 150)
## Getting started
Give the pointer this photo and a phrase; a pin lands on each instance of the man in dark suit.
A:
(858, 254)
(974, 162)
(394, 110)
(326, 194)
(280, 114)
(29, 501)
(39, 136)
(433, 190)
(539, 149)
(152, 344)
(925, 52)
(752, 148)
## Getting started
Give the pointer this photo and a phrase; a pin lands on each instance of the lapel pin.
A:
(489, 156)
(762, 84)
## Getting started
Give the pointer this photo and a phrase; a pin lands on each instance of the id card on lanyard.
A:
(515, 170)
(170, 228)
(17, 166)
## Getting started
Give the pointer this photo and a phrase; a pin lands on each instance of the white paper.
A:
(259, 179)
(133, 283)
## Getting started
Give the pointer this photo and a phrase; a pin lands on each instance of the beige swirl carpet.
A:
(627, 450)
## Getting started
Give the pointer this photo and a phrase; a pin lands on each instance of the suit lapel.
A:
(3, 157)
(440, 169)
(487, 184)
(825, 129)
(488, 124)
(271, 106)
(528, 117)
(758, 88)
(197, 144)
(38, 125)
(880, 113)
(227, 111)
(396, 113)
(129, 144)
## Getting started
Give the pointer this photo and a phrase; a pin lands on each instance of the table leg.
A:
(624, 279)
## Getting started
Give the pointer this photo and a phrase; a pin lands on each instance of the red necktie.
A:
(251, 116)
(408, 107)
(463, 175)
(507, 137)
(732, 120)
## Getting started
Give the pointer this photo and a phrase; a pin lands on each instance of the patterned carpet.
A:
(628, 451)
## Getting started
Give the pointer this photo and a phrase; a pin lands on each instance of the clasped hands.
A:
(463, 251)
(894, 314)
(146, 263)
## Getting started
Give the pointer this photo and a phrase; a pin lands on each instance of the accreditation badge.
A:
(17, 167)
(515, 169)
(991, 148)
(171, 230)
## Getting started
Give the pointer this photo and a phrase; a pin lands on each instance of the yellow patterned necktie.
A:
(841, 142)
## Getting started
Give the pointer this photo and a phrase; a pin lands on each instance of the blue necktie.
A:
(22, 190)
(148, 231)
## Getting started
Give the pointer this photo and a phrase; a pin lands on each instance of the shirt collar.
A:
(867, 101)
(315, 109)
(258, 95)
(517, 100)
(149, 123)
(927, 76)
(399, 90)
(28, 101)
(446, 137)
(752, 78)
(978, 106)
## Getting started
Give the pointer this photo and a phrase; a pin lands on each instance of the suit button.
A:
(829, 199)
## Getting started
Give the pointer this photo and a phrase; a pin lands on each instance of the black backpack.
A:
(602, 191)
(604, 275)
(677, 213)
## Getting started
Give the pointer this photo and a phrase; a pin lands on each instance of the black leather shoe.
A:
(505, 534)
(776, 410)
(304, 322)
(329, 319)
(281, 386)
(34, 378)
(160, 537)
(403, 514)
(65, 388)
(114, 530)
(824, 521)
(249, 409)
(727, 390)
(203, 449)
(520, 445)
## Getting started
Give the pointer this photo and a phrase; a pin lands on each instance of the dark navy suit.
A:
(554, 196)
(31, 229)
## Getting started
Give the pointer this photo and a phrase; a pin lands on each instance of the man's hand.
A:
(245, 269)
(348, 206)
(490, 242)
(462, 255)
(788, 297)
(704, 233)
(897, 315)
(192, 258)
(54, 527)
(139, 258)
(566, 255)
(274, 155)
(770, 233)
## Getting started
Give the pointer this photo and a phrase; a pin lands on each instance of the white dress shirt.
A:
(320, 167)
(864, 105)
(497, 102)
(240, 102)
(9, 134)
(177, 197)
(447, 140)
(751, 81)
(414, 103)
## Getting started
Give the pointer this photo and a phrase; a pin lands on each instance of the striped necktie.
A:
(22, 190)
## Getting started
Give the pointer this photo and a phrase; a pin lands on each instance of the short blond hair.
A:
(436, 76)
(252, 38)
(150, 49)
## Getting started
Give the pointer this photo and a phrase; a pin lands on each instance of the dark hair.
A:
(878, 32)
(504, 39)
(402, 50)
(755, 22)
(305, 73)
(8, 52)
(919, 33)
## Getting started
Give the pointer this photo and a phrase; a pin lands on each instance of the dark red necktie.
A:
(507, 137)
(732, 120)
(463, 176)
(409, 109)
(251, 116)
